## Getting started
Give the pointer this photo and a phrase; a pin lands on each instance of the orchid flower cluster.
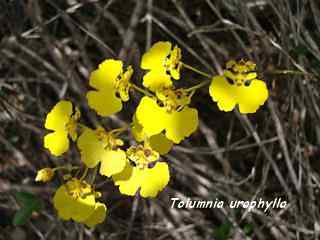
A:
(163, 118)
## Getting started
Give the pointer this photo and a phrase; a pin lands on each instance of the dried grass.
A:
(48, 49)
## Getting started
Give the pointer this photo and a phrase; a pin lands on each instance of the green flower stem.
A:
(143, 91)
(82, 127)
(291, 72)
(200, 85)
(84, 174)
(117, 131)
(94, 174)
(196, 70)
(68, 167)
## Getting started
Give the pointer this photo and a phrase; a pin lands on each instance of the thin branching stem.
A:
(141, 90)
(196, 70)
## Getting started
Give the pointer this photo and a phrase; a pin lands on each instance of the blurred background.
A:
(48, 49)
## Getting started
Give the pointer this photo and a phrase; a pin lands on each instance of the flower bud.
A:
(44, 175)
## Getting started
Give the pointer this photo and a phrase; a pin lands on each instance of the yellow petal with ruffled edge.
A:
(57, 142)
(82, 208)
(150, 180)
(155, 57)
(249, 98)
(68, 208)
(106, 74)
(91, 149)
(151, 117)
(98, 216)
(59, 116)
(221, 92)
(128, 180)
(160, 143)
(61, 202)
(181, 124)
(156, 80)
(154, 180)
(113, 162)
(177, 125)
(105, 103)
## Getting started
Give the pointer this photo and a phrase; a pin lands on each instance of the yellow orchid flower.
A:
(138, 174)
(163, 63)
(112, 87)
(101, 146)
(63, 121)
(171, 112)
(76, 200)
(239, 85)
(157, 142)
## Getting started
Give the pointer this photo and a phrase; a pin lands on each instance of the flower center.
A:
(173, 100)
(141, 156)
(172, 62)
(122, 84)
(240, 73)
(107, 139)
(78, 189)
(71, 126)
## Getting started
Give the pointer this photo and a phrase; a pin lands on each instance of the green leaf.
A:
(22, 216)
(315, 64)
(223, 231)
(24, 198)
(29, 203)
(300, 50)
(248, 228)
